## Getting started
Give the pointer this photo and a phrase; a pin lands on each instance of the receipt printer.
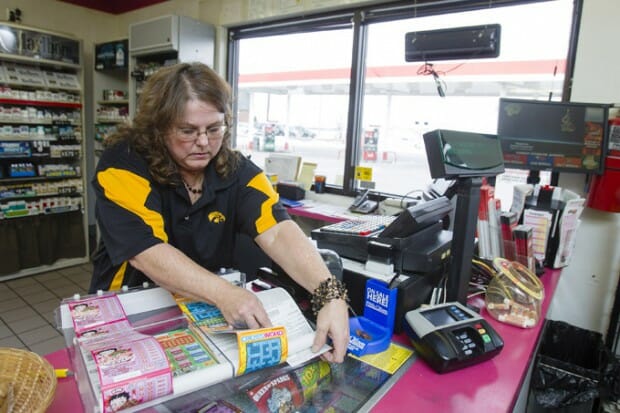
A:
(450, 336)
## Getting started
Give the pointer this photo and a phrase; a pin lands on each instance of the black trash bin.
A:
(567, 373)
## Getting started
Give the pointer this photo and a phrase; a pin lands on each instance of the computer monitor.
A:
(458, 154)
(553, 136)
(466, 157)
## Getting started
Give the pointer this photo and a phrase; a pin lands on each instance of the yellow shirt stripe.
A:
(117, 280)
(266, 220)
(130, 191)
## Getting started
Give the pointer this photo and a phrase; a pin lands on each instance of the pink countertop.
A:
(67, 398)
(306, 212)
(491, 386)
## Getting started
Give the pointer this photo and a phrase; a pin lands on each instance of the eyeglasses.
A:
(214, 134)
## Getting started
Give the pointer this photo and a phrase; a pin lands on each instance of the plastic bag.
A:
(569, 367)
(558, 384)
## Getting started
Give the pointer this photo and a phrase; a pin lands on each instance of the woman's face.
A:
(197, 137)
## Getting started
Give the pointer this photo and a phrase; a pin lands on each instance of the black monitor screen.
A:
(457, 154)
(553, 136)
(440, 317)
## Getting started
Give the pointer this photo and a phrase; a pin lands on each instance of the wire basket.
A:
(32, 377)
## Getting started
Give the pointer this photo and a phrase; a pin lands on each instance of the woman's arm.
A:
(174, 271)
(287, 245)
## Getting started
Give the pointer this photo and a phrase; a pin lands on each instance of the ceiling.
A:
(114, 6)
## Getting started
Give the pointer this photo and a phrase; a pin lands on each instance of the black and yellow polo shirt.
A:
(135, 213)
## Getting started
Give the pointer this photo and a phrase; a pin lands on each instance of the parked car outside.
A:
(300, 132)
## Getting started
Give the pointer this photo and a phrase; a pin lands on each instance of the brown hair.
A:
(161, 105)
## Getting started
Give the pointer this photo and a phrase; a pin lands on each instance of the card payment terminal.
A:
(450, 336)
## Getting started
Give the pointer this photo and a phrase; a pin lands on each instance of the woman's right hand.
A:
(241, 308)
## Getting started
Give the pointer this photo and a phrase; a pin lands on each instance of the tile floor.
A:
(27, 307)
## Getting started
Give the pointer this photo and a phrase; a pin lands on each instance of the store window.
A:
(292, 98)
(294, 93)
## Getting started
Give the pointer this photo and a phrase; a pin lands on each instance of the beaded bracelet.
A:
(329, 289)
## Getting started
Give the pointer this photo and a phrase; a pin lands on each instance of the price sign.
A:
(363, 173)
(66, 190)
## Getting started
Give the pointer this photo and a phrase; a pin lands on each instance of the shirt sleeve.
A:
(259, 208)
(128, 209)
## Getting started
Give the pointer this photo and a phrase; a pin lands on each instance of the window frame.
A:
(359, 18)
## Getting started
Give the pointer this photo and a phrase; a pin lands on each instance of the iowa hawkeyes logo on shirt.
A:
(217, 217)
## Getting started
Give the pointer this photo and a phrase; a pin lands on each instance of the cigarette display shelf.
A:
(42, 222)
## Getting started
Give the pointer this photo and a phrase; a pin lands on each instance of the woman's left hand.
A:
(333, 322)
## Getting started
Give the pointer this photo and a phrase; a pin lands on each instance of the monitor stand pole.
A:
(465, 220)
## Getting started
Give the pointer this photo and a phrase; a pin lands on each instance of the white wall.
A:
(587, 287)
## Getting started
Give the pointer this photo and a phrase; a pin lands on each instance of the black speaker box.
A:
(291, 191)
(471, 42)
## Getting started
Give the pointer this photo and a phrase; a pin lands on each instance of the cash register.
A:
(409, 252)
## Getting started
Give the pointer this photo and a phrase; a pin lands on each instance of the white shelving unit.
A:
(110, 90)
(110, 99)
(164, 41)
(42, 186)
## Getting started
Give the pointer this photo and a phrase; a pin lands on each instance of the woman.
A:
(172, 195)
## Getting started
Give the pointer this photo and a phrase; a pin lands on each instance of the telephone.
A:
(362, 204)
(440, 187)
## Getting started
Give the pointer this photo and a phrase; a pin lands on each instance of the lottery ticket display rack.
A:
(348, 387)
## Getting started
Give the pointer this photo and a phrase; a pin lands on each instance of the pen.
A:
(207, 407)
(62, 373)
